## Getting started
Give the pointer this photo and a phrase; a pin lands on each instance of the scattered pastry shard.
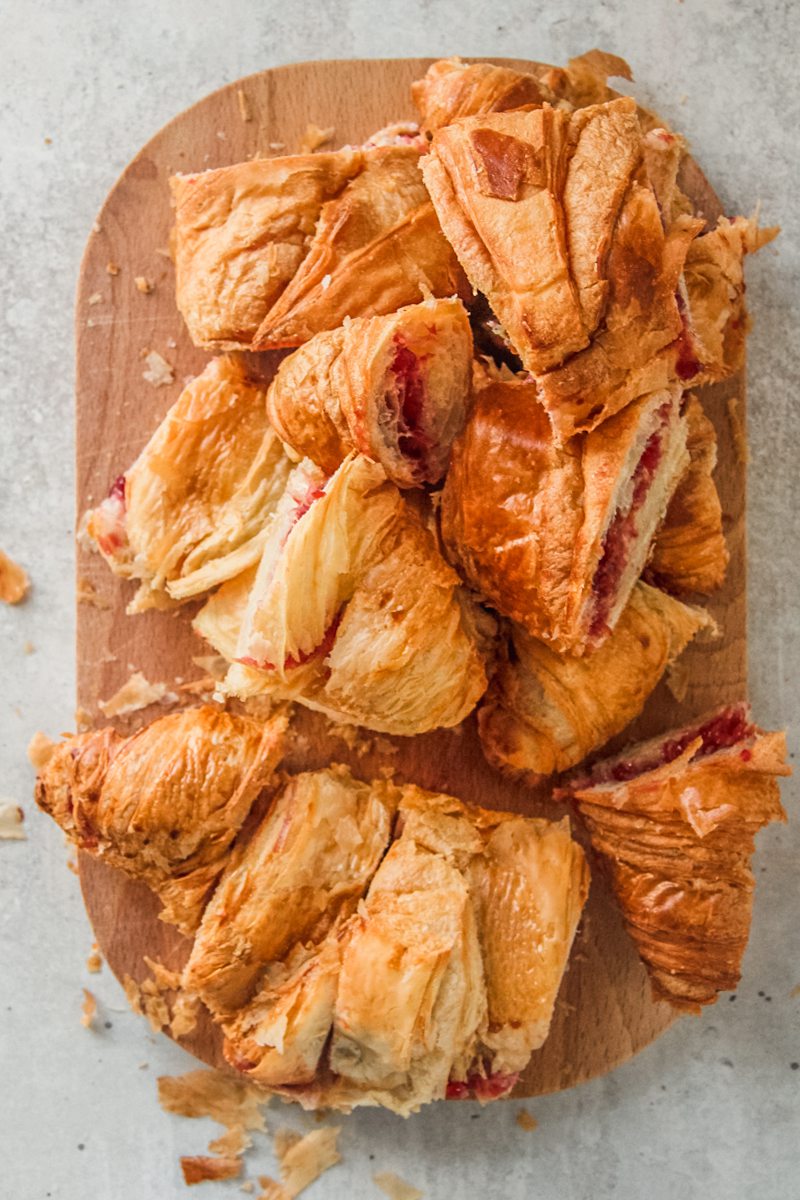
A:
(165, 804)
(240, 235)
(689, 552)
(556, 536)
(452, 88)
(14, 581)
(544, 712)
(353, 610)
(554, 220)
(395, 388)
(674, 820)
(377, 247)
(193, 509)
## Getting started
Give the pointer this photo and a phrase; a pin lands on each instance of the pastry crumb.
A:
(143, 285)
(677, 680)
(40, 750)
(395, 1187)
(28, 648)
(86, 593)
(94, 962)
(271, 1189)
(159, 373)
(232, 1143)
(526, 1120)
(200, 1168)
(206, 1093)
(96, 298)
(184, 1015)
(248, 1186)
(314, 137)
(794, 992)
(135, 694)
(88, 1009)
(11, 820)
(72, 865)
(163, 977)
(303, 1159)
(113, 268)
(83, 720)
(738, 434)
(14, 581)
(277, 145)
(245, 112)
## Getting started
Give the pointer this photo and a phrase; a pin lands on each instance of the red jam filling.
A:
(409, 396)
(687, 364)
(321, 651)
(482, 1087)
(725, 729)
(622, 532)
(109, 519)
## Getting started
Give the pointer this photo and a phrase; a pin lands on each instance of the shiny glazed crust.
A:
(165, 804)
(344, 391)
(544, 712)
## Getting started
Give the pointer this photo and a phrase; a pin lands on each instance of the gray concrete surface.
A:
(710, 1110)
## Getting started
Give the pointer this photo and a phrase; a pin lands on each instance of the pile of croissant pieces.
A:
(476, 481)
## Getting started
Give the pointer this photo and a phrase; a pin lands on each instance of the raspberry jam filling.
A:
(725, 729)
(622, 532)
(407, 400)
(289, 664)
(109, 519)
(482, 1087)
(687, 364)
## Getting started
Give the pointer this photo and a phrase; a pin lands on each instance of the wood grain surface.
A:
(605, 1012)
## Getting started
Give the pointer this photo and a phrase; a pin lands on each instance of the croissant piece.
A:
(714, 273)
(193, 509)
(165, 804)
(556, 536)
(674, 821)
(689, 552)
(377, 247)
(240, 234)
(452, 88)
(544, 712)
(353, 610)
(395, 388)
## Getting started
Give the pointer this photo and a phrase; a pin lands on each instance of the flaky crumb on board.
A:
(159, 373)
(200, 1168)
(135, 694)
(303, 1159)
(94, 962)
(87, 593)
(677, 680)
(738, 433)
(14, 582)
(112, 268)
(88, 1009)
(245, 111)
(526, 1120)
(184, 1015)
(83, 720)
(395, 1187)
(11, 819)
(314, 137)
(143, 284)
(40, 750)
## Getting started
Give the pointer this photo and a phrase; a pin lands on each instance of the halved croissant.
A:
(165, 804)
(240, 235)
(556, 536)
(554, 220)
(689, 552)
(353, 610)
(193, 509)
(377, 247)
(674, 820)
(544, 712)
(395, 388)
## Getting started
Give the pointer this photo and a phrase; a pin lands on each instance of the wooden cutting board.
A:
(605, 1012)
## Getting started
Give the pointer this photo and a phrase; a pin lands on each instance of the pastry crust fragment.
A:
(555, 537)
(690, 553)
(353, 610)
(240, 234)
(165, 804)
(452, 88)
(193, 509)
(674, 820)
(544, 712)
(377, 247)
(395, 388)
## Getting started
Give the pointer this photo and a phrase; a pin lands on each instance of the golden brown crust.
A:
(240, 235)
(376, 248)
(677, 842)
(526, 519)
(689, 552)
(183, 518)
(452, 88)
(165, 804)
(395, 388)
(544, 712)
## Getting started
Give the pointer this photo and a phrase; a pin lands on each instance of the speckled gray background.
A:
(712, 1109)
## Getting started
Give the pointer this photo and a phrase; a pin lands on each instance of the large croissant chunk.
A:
(193, 509)
(165, 804)
(556, 536)
(396, 388)
(674, 821)
(544, 712)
